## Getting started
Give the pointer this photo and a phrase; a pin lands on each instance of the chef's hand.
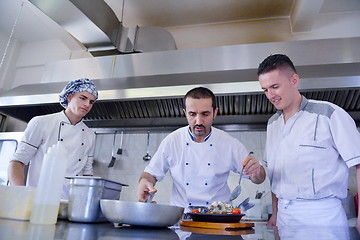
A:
(146, 185)
(272, 221)
(252, 167)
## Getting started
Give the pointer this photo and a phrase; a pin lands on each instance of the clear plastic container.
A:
(50, 186)
(16, 202)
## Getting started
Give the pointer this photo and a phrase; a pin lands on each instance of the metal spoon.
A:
(236, 192)
(147, 157)
(150, 198)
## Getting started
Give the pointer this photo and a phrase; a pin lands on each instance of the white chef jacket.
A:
(44, 131)
(199, 170)
(309, 156)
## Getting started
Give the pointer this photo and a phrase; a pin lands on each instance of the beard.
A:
(199, 130)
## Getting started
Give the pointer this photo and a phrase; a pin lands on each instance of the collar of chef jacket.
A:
(193, 138)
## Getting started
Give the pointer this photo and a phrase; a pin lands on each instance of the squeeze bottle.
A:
(48, 192)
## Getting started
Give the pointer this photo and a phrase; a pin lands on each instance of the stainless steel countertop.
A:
(14, 230)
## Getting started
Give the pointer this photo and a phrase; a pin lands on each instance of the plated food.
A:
(216, 212)
(216, 208)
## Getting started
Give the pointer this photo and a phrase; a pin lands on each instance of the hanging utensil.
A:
(113, 158)
(236, 192)
(120, 150)
(147, 157)
(259, 194)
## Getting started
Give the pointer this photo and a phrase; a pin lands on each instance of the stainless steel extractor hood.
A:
(95, 25)
(145, 90)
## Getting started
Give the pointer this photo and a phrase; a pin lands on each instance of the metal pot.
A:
(141, 214)
(85, 195)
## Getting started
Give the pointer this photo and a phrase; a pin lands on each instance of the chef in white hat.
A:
(67, 126)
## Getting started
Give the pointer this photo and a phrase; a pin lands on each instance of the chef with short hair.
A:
(199, 157)
(42, 132)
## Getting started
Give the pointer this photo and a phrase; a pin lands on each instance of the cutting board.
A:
(213, 225)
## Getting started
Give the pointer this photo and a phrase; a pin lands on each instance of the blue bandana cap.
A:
(79, 85)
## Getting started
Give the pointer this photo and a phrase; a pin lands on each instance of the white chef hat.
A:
(79, 85)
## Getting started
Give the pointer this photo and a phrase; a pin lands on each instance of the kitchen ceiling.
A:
(170, 14)
(244, 108)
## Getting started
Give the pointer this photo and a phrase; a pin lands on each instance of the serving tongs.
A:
(236, 192)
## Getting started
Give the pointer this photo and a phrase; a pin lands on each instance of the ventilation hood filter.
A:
(249, 110)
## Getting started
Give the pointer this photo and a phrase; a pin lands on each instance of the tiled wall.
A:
(130, 164)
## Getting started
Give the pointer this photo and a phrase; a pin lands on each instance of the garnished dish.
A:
(216, 208)
(216, 212)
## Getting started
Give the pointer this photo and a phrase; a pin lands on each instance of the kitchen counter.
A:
(16, 230)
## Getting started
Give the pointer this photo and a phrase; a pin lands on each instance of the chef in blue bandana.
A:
(67, 126)
(199, 157)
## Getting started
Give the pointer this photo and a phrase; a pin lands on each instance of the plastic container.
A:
(50, 186)
(16, 202)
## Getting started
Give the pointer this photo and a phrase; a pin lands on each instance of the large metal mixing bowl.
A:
(141, 214)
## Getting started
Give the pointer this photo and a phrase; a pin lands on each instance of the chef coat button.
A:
(83, 129)
(209, 164)
(79, 160)
(189, 203)
(187, 184)
(82, 143)
(206, 184)
(77, 174)
(207, 203)
(187, 144)
(187, 163)
(62, 124)
(61, 139)
(210, 144)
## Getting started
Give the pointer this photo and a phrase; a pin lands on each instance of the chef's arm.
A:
(272, 220)
(358, 192)
(146, 185)
(16, 173)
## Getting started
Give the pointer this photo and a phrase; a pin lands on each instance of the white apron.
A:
(321, 212)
